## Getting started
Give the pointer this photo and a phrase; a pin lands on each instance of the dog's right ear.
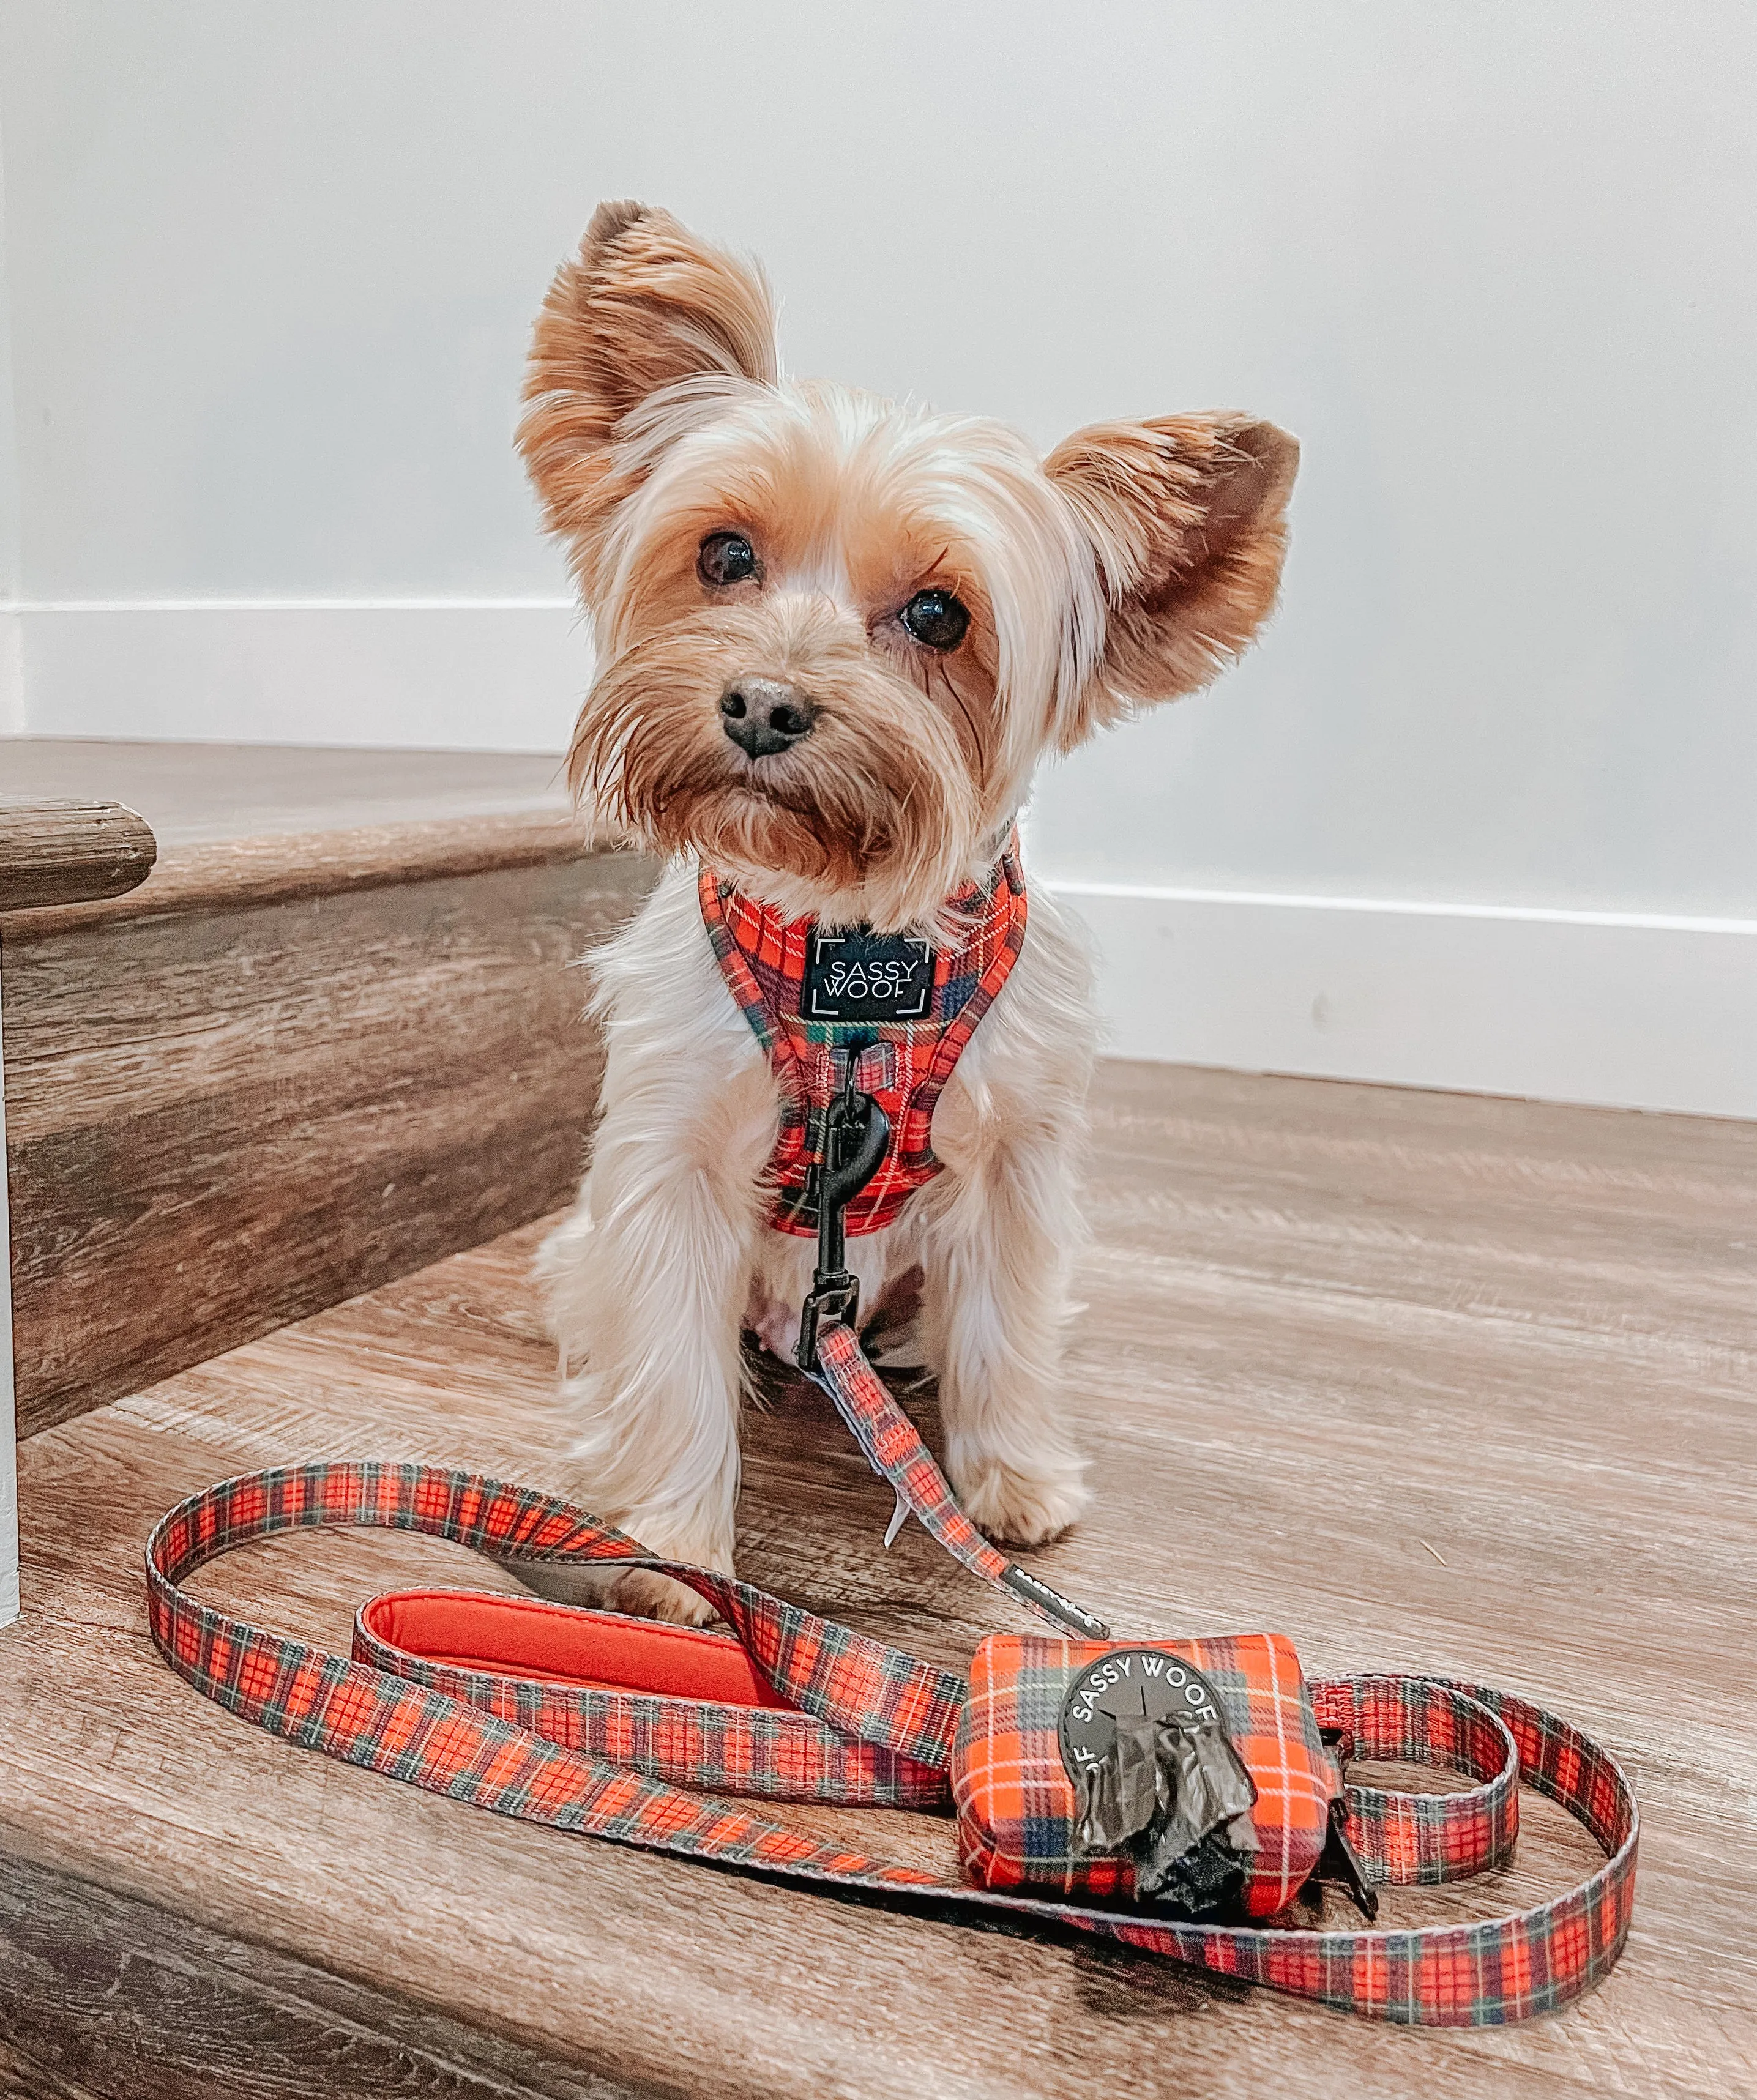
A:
(645, 305)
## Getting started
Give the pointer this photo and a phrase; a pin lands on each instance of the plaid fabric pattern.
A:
(893, 1448)
(771, 1752)
(763, 957)
(1428, 1836)
(876, 1694)
(1016, 1803)
(1486, 1973)
(1478, 1974)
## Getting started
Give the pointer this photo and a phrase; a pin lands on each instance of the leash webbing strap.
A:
(1478, 1973)
(893, 1448)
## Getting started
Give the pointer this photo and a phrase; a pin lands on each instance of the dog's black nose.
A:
(762, 716)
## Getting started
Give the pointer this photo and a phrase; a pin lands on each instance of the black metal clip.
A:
(855, 1131)
(1339, 1863)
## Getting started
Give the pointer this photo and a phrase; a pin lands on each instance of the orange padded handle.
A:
(557, 1644)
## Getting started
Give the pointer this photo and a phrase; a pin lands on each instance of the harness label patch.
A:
(856, 975)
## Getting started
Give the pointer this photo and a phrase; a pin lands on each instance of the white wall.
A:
(11, 563)
(272, 271)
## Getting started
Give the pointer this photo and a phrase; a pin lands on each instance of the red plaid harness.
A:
(904, 1063)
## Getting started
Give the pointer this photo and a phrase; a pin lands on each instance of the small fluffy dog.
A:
(835, 636)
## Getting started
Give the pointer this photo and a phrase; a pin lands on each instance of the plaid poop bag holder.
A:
(1175, 1795)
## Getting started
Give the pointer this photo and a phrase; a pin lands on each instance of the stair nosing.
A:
(277, 867)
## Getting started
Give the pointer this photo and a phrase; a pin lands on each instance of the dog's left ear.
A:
(645, 305)
(1187, 517)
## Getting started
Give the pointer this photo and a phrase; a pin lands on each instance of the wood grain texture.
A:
(260, 823)
(68, 852)
(104, 1998)
(1428, 1382)
(227, 1111)
(210, 875)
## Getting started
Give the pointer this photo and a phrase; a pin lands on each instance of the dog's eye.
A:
(937, 618)
(726, 558)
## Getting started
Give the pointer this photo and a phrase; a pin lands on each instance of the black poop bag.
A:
(1178, 1797)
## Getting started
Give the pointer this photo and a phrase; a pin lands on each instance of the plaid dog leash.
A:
(854, 1139)
(893, 1448)
(578, 1758)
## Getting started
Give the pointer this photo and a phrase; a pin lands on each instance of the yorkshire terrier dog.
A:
(834, 637)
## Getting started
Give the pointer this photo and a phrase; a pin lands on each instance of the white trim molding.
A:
(429, 674)
(1626, 1009)
(1620, 1009)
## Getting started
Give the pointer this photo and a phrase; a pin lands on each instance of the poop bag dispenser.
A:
(1189, 1777)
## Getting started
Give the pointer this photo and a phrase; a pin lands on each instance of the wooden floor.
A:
(1430, 1382)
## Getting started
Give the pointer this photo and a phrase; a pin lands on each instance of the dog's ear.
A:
(645, 305)
(1187, 516)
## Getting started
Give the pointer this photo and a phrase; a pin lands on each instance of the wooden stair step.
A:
(332, 1037)
(70, 852)
(1426, 1381)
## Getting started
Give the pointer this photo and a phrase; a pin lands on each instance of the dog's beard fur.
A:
(876, 814)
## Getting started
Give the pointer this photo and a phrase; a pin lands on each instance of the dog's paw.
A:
(646, 1595)
(1022, 1509)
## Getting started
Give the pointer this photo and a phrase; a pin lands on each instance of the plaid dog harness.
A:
(593, 1724)
(895, 1010)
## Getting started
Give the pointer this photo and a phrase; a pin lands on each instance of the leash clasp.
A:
(836, 1298)
(856, 1133)
(1340, 1863)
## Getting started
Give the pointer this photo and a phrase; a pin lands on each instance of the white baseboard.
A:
(445, 674)
(1625, 1011)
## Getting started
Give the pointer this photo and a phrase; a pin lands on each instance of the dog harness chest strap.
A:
(893, 1011)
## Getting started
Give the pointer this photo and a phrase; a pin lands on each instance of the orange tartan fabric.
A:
(1016, 1803)
(670, 1702)
(763, 957)
(893, 1448)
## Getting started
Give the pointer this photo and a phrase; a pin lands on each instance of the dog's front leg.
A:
(1000, 1228)
(646, 1283)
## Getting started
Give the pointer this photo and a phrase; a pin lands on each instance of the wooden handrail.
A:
(71, 852)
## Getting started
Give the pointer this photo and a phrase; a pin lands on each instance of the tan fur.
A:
(879, 787)
(1127, 568)
(643, 306)
(1187, 516)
